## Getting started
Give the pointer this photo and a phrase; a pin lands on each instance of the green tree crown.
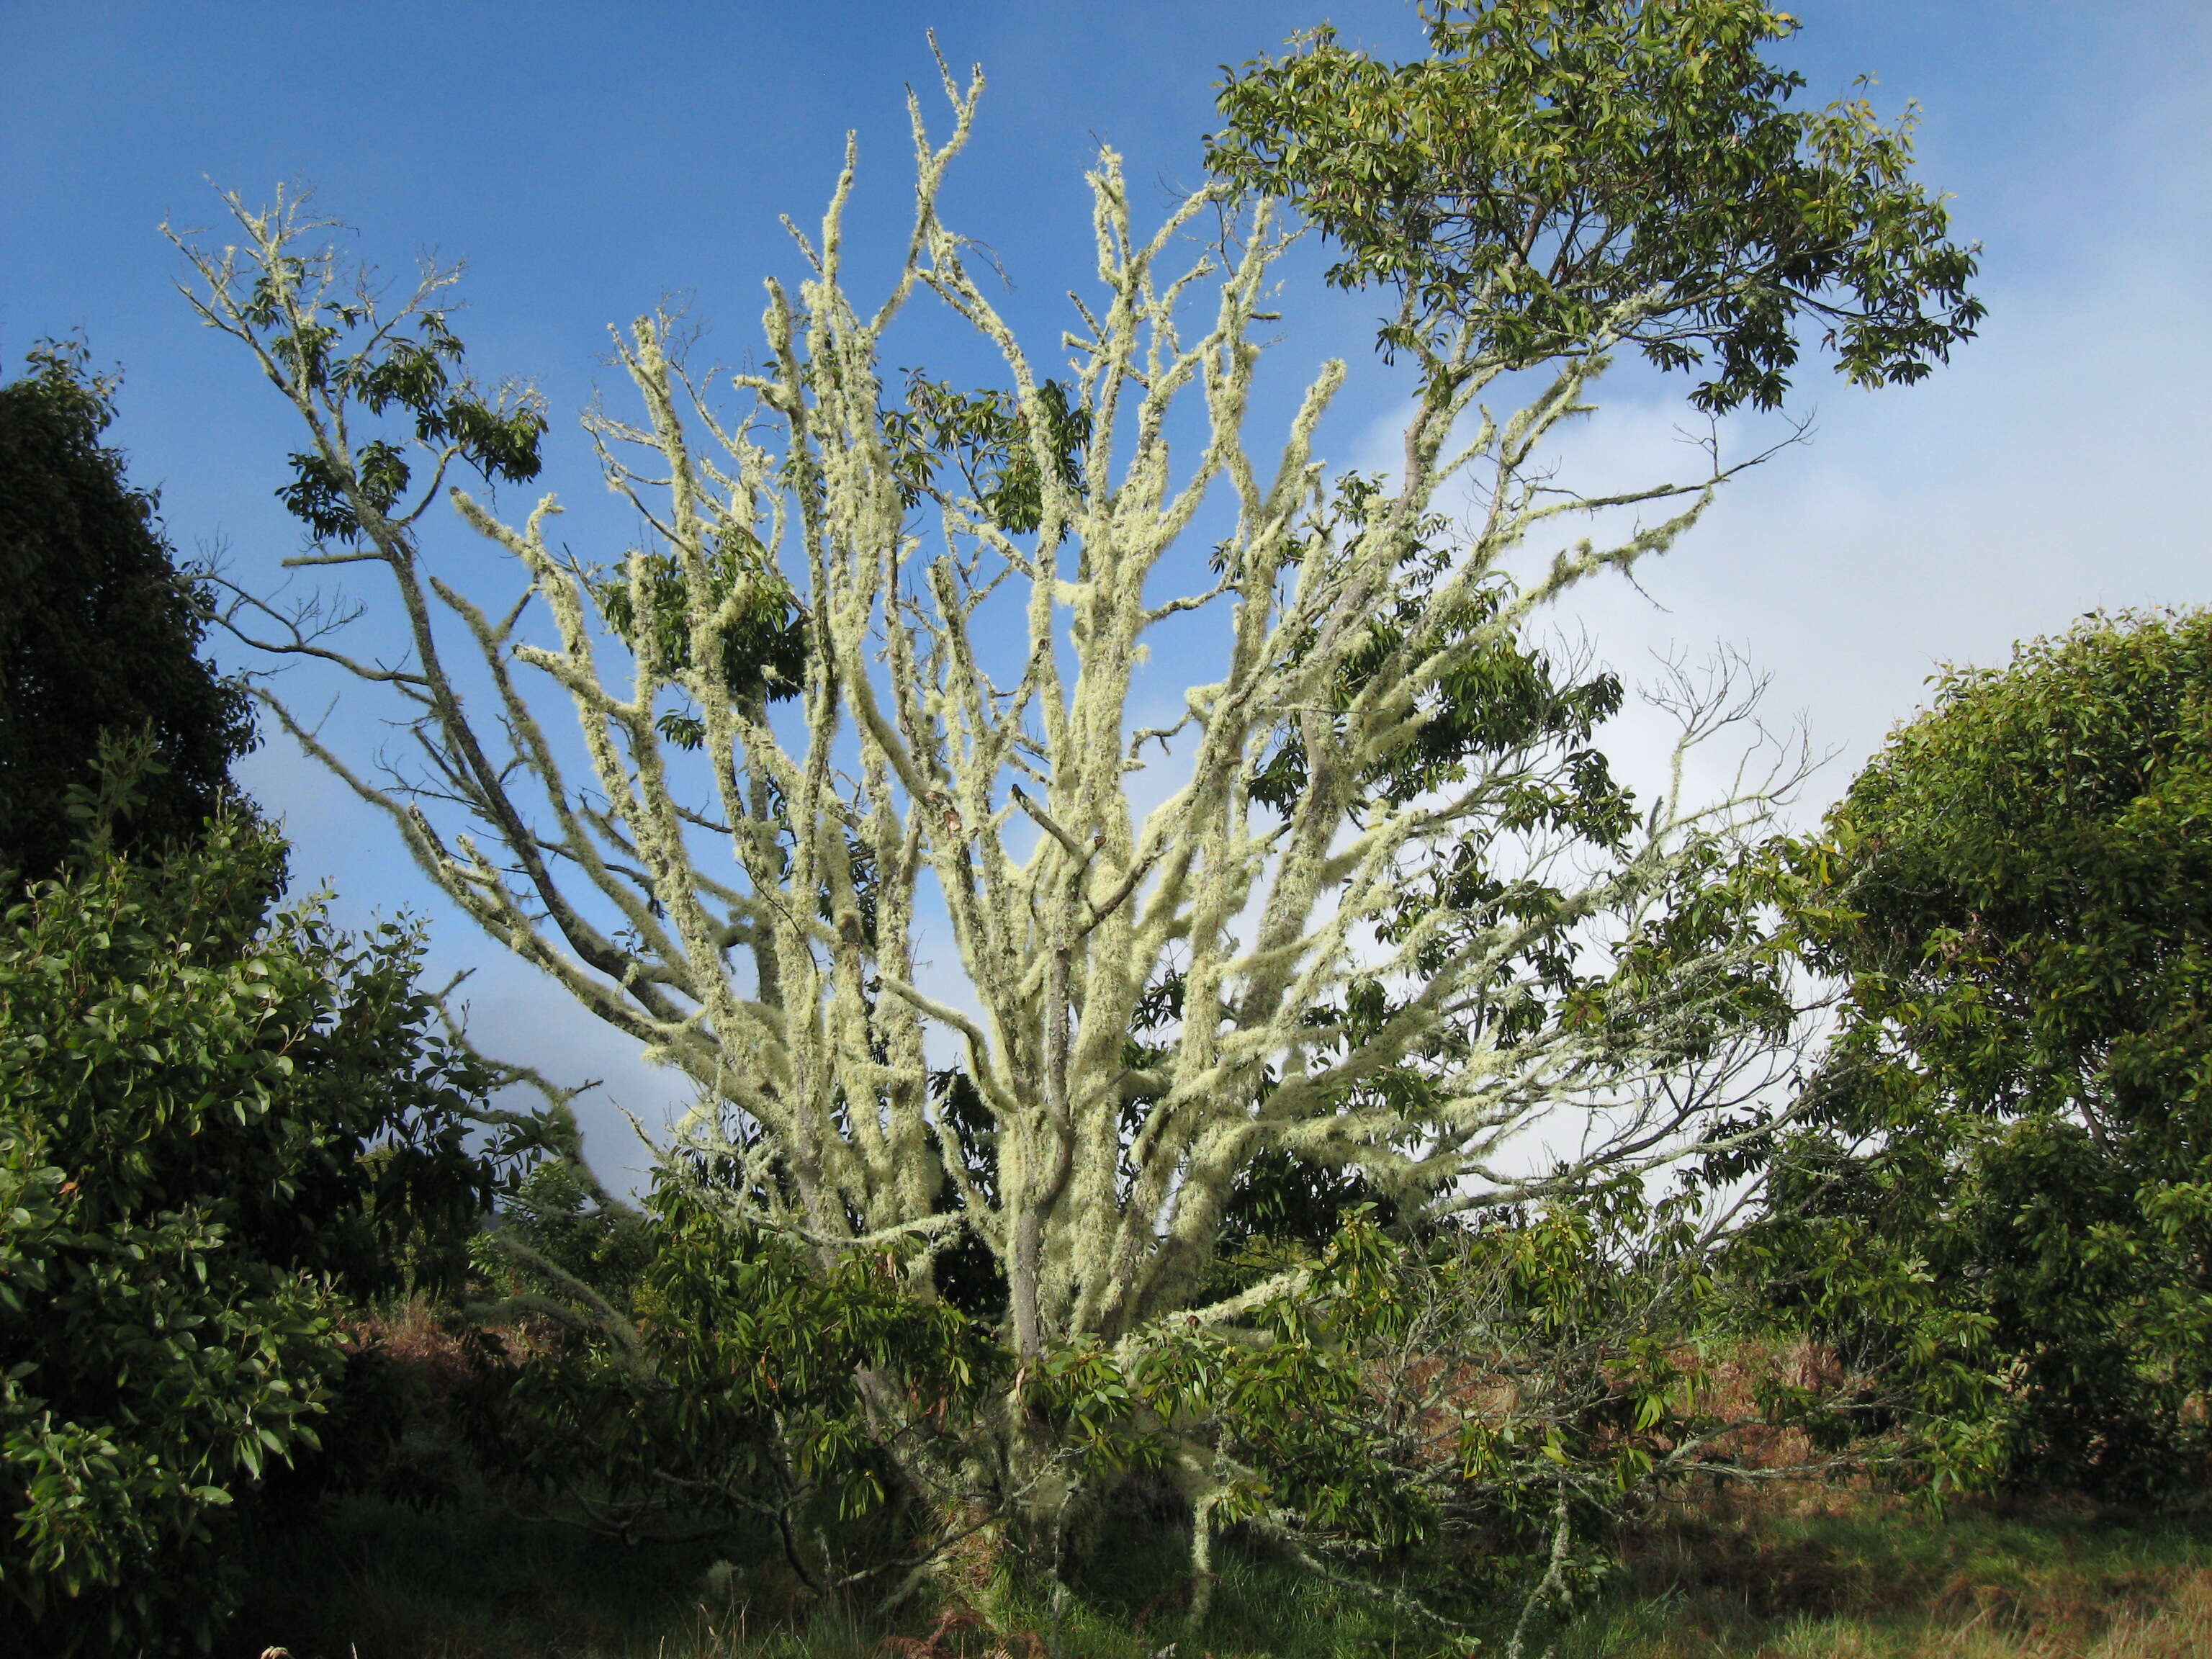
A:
(1560, 176)
(101, 634)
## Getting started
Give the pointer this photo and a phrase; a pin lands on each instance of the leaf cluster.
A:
(419, 377)
(1560, 176)
(761, 631)
(986, 439)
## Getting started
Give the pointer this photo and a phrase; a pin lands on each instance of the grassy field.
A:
(1853, 1577)
(1874, 1578)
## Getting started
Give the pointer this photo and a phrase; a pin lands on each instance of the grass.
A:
(375, 1577)
(1874, 1579)
(1852, 1578)
(371, 1579)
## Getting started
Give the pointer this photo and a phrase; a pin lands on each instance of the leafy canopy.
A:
(2018, 1101)
(1561, 175)
(212, 1124)
(2029, 879)
(99, 633)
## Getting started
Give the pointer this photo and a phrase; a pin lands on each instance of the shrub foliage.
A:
(2017, 1107)
(187, 1093)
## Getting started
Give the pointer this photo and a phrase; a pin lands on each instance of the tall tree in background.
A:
(98, 633)
(1386, 915)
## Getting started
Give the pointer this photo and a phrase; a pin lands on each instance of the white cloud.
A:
(2053, 469)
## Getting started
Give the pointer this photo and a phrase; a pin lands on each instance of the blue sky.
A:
(590, 159)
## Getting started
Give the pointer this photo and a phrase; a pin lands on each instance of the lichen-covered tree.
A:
(865, 821)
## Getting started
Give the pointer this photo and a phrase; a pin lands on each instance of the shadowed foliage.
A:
(99, 633)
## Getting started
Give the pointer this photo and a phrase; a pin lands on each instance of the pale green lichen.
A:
(761, 978)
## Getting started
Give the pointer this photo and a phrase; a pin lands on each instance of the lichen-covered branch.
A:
(828, 789)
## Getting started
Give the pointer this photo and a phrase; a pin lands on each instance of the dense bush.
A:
(100, 635)
(188, 1089)
(2015, 1114)
(734, 1377)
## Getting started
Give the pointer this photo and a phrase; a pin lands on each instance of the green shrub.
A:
(738, 1378)
(187, 1090)
(1461, 1424)
(2015, 1114)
